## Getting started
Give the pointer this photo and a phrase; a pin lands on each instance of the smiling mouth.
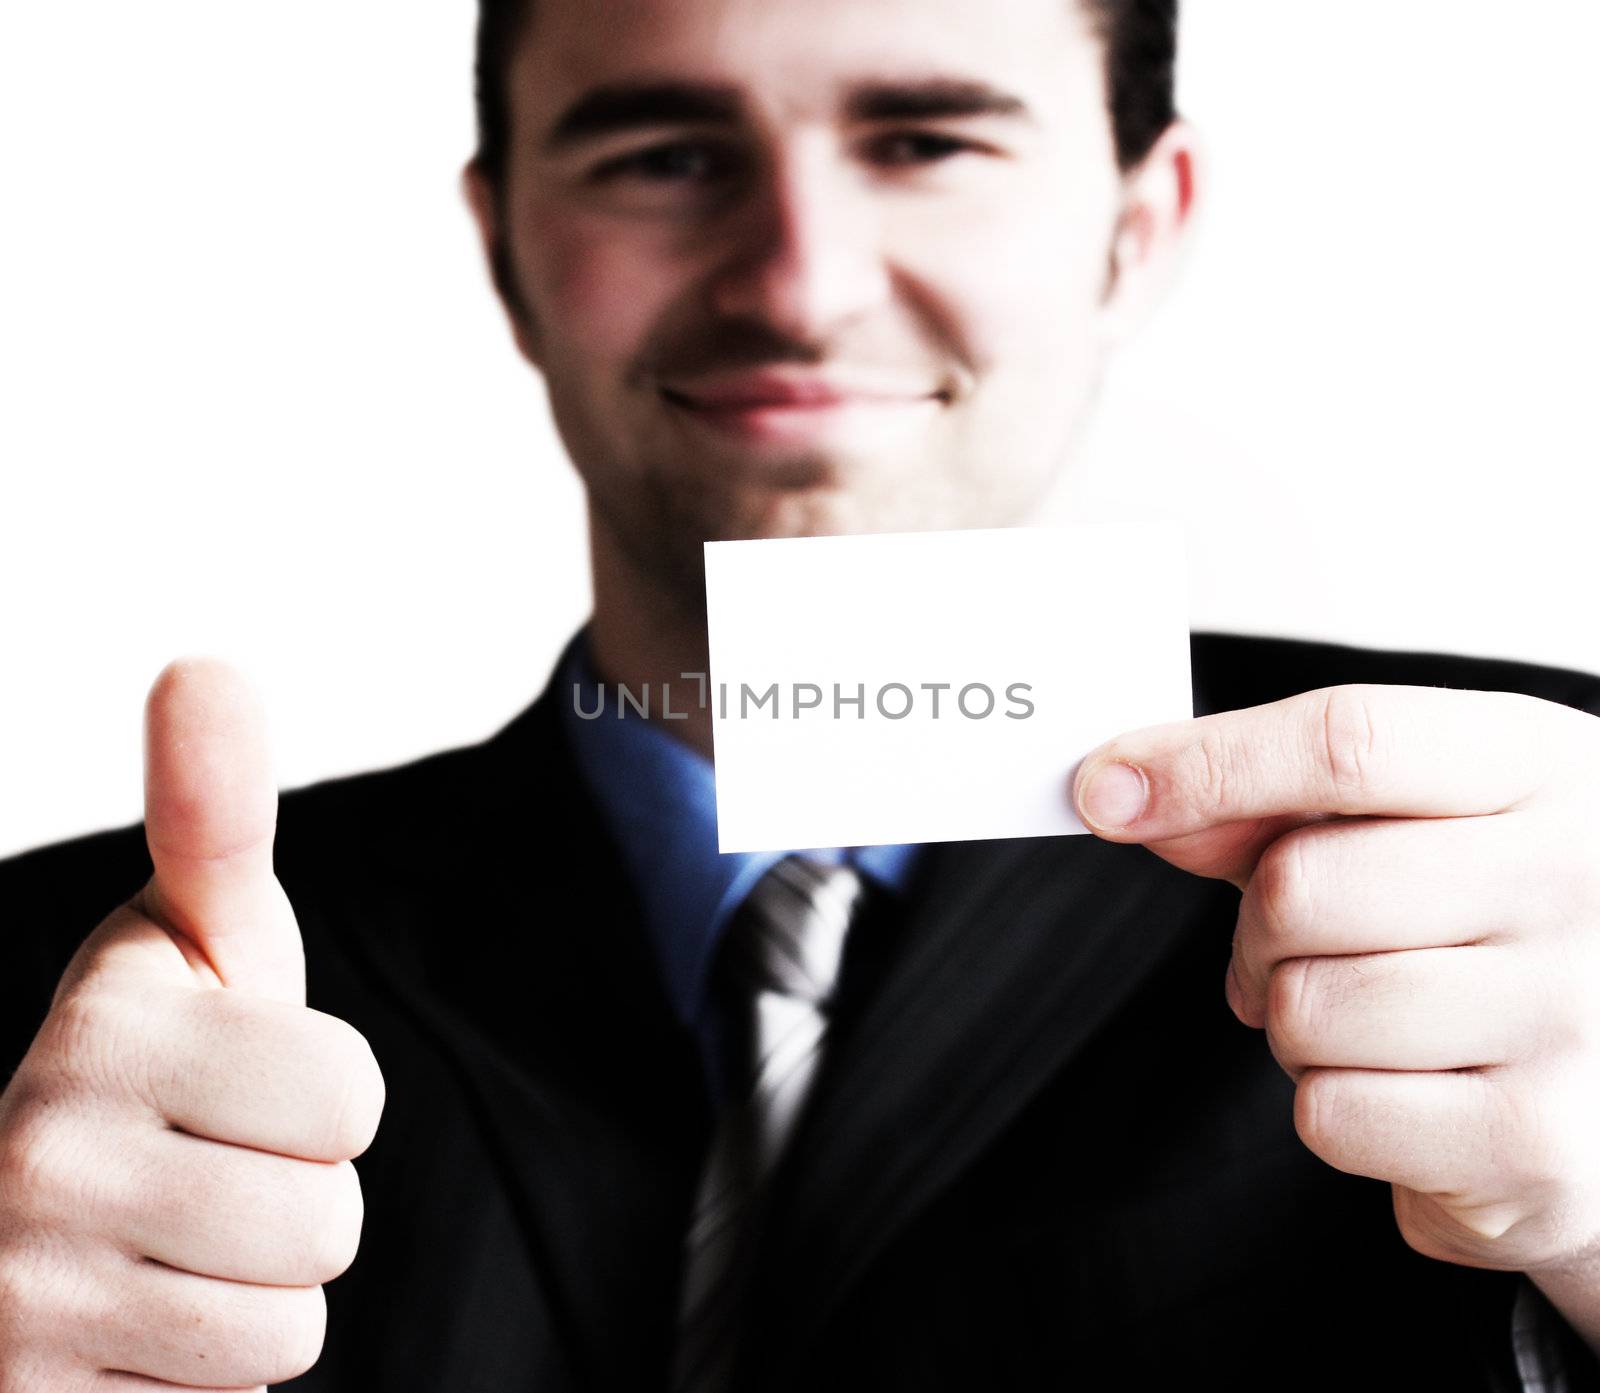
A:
(794, 418)
(828, 402)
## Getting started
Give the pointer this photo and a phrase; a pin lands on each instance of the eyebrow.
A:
(617, 107)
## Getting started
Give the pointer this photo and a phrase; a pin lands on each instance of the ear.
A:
(484, 200)
(1154, 228)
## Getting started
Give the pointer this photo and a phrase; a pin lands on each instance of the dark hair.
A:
(1141, 44)
(1140, 38)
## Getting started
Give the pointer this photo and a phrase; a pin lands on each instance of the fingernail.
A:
(1114, 796)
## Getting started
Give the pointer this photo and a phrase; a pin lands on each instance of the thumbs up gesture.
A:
(175, 1148)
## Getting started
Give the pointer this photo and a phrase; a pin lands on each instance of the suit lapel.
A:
(1014, 955)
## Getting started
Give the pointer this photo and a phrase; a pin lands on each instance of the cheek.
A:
(1021, 281)
(593, 292)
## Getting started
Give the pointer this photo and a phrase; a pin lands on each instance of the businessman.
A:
(1285, 1079)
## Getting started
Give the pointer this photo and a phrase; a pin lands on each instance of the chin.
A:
(807, 512)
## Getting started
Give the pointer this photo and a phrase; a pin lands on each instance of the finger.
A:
(1415, 1008)
(1353, 750)
(1433, 1132)
(231, 1212)
(199, 1331)
(210, 812)
(1465, 1139)
(1229, 852)
(254, 1072)
(1372, 885)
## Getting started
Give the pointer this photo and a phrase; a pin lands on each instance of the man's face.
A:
(809, 266)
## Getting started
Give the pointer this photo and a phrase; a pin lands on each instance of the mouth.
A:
(792, 411)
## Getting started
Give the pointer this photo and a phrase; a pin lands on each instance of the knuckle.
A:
(360, 1095)
(1318, 1106)
(41, 1176)
(39, 1298)
(1293, 1006)
(337, 1227)
(1283, 883)
(88, 1041)
(1352, 747)
(292, 1341)
(19, 1300)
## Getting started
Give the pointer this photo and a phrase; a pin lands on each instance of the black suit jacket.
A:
(1041, 1152)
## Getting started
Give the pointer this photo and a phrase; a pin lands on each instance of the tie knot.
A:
(788, 936)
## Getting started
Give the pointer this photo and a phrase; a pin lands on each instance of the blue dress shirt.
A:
(658, 796)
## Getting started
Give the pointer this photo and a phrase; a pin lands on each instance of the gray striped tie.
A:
(777, 970)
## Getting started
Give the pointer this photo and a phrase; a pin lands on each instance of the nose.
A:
(805, 257)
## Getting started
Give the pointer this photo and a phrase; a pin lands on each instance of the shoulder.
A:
(333, 837)
(1231, 671)
(420, 801)
(99, 870)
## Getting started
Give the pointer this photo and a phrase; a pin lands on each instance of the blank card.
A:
(933, 686)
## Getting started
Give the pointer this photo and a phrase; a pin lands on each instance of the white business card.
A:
(934, 686)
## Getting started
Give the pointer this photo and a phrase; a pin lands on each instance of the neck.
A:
(645, 634)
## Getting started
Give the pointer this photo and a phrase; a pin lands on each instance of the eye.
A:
(672, 162)
(918, 147)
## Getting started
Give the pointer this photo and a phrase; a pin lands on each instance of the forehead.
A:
(803, 58)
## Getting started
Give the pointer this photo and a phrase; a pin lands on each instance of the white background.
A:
(258, 400)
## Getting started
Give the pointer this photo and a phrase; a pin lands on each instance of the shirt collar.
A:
(659, 798)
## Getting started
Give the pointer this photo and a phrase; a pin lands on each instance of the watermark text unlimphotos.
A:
(892, 701)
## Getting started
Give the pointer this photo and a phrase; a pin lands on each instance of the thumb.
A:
(211, 807)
